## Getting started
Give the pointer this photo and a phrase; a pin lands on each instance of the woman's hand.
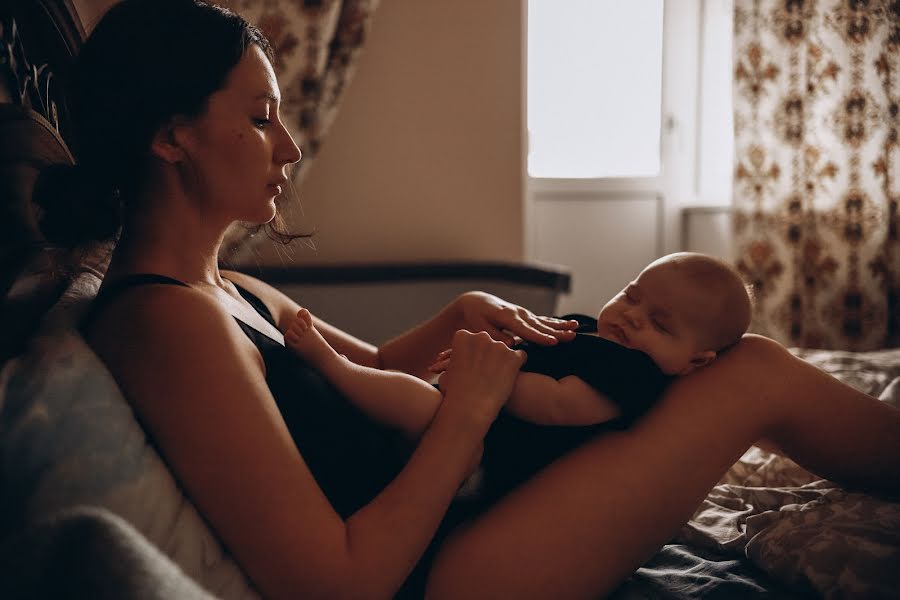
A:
(503, 320)
(481, 375)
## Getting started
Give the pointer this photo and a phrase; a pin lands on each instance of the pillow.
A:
(68, 437)
(87, 552)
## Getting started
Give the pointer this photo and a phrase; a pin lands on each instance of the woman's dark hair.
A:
(145, 62)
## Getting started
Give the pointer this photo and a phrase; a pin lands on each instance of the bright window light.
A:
(594, 88)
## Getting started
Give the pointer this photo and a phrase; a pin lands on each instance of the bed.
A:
(72, 452)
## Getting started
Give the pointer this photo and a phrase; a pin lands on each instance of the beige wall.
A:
(425, 159)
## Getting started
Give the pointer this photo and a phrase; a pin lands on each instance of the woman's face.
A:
(239, 148)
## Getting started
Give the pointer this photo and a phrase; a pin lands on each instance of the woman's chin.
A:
(266, 215)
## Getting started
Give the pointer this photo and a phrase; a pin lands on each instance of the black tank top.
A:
(352, 457)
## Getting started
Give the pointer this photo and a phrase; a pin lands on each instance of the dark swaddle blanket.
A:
(628, 377)
(514, 450)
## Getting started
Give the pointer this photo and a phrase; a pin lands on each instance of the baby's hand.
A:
(303, 338)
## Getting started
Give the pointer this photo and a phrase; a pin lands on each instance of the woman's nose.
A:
(289, 151)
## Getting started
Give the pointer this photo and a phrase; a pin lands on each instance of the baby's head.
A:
(682, 310)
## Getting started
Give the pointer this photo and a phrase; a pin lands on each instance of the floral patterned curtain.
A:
(317, 44)
(817, 169)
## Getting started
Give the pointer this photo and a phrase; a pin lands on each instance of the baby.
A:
(678, 314)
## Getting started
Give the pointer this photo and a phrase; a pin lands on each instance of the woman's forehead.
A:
(252, 76)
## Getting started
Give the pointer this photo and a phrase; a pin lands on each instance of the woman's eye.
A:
(660, 326)
(261, 123)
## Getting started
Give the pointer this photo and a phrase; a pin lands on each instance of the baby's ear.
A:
(701, 359)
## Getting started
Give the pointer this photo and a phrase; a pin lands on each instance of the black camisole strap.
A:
(256, 303)
(116, 287)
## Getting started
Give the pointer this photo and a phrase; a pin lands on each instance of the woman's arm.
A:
(221, 433)
(415, 350)
(568, 401)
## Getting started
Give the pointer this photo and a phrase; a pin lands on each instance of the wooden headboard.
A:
(38, 40)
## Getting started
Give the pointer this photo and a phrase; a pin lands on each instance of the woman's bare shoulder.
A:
(189, 372)
(167, 325)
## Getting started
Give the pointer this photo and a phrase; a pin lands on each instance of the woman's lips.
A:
(275, 188)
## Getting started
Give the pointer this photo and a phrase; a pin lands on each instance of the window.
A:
(594, 88)
(628, 108)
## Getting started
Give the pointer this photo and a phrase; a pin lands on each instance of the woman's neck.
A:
(185, 255)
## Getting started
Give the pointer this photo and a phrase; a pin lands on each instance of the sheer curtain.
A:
(317, 44)
(817, 169)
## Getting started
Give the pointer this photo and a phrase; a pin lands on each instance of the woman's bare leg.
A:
(581, 526)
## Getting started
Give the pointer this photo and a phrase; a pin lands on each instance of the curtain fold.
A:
(317, 45)
(817, 169)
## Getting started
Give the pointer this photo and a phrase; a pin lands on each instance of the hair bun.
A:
(77, 205)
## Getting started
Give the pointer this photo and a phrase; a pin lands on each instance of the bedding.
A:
(771, 527)
(88, 552)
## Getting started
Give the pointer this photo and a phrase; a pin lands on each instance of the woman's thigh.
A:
(582, 524)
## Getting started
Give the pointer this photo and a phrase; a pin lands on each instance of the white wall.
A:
(424, 160)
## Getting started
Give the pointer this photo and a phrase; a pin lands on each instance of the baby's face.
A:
(658, 313)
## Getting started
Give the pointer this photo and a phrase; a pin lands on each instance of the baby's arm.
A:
(390, 397)
(569, 401)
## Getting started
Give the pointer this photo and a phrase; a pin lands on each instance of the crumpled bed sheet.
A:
(772, 529)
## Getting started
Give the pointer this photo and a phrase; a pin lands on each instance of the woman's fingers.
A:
(482, 370)
(441, 361)
(557, 325)
(439, 366)
(522, 357)
(541, 330)
(504, 320)
(500, 335)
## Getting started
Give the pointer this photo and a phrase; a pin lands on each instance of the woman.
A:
(178, 136)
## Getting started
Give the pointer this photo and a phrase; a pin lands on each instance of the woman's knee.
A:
(759, 345)
(745, 382)
(755, 353)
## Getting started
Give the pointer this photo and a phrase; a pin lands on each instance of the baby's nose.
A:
(633, 319)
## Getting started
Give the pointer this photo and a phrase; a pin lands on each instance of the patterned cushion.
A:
(68, 437)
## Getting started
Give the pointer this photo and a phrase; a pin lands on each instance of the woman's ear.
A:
(167, 141)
